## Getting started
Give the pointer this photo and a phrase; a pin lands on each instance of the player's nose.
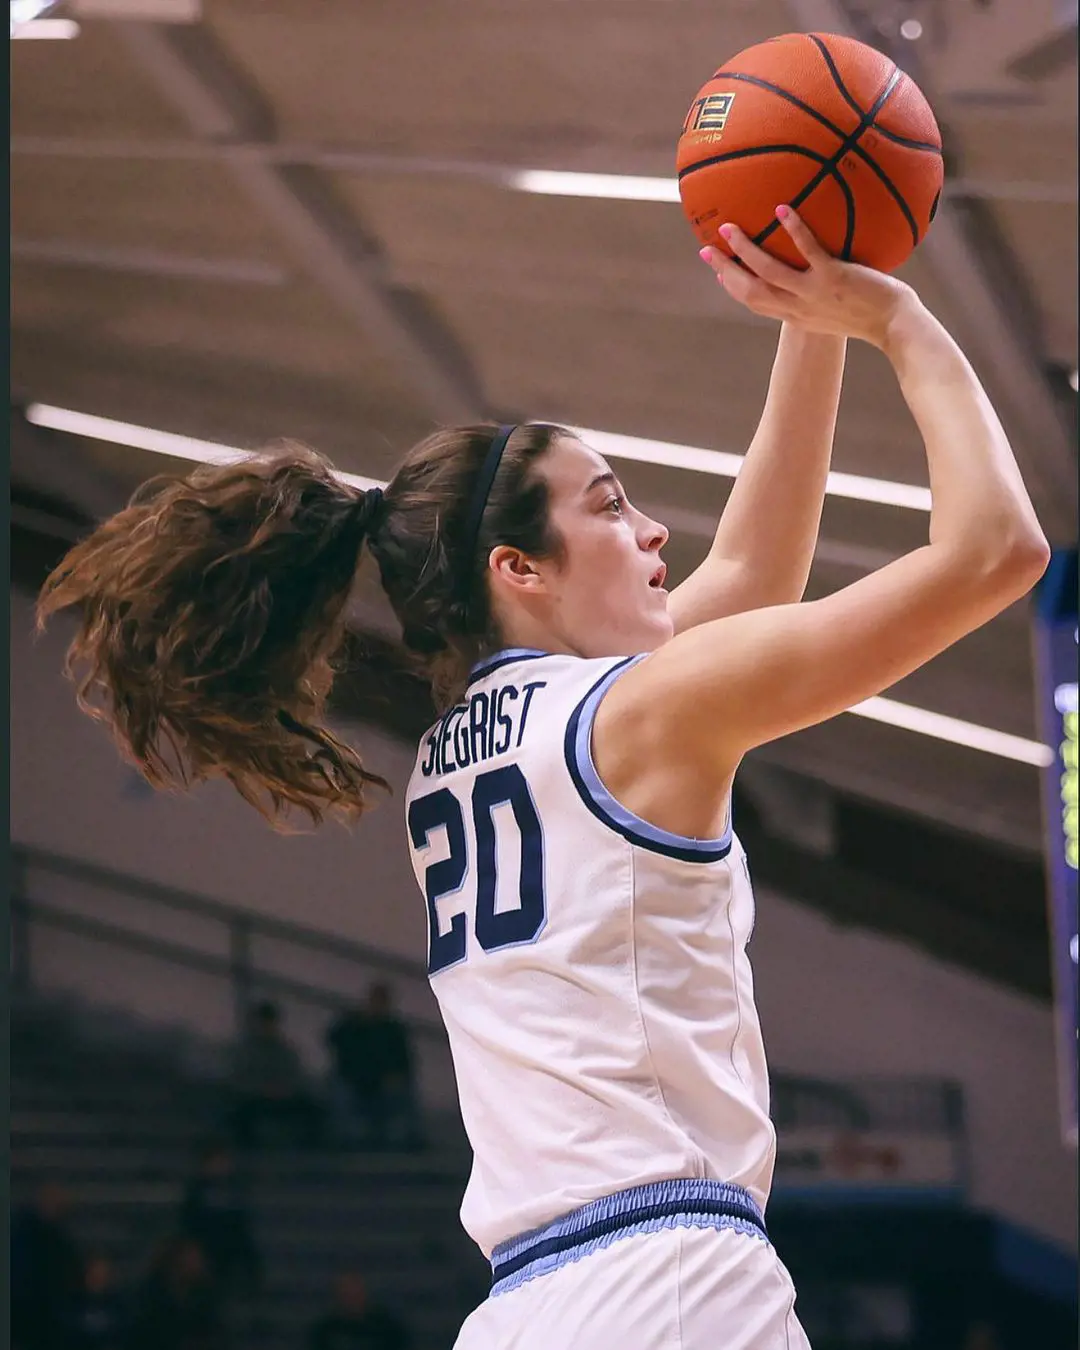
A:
(653, 535)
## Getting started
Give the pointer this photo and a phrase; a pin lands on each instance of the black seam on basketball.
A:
(849, 198)
(784, 94)
(845, 93)
(892, 189)
(866, 158)
(753, 150)
(749, 152)
(926, 146)
(824, 121)
(865, 123)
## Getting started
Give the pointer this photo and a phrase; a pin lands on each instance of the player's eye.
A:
(616, 504)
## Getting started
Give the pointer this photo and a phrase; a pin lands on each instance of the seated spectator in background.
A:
(269, 1084)
(215, 1214)
(372, 1057)
(355, 1323)
(99, 1316)
(46, 1270)
(179, 1307)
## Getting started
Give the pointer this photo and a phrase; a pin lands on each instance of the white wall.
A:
(833, 1001)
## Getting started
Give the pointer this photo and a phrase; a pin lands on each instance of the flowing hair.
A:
(212, 608)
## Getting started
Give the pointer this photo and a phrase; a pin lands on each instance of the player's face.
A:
(606, 593)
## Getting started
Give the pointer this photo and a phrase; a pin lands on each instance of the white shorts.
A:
(683, 1282)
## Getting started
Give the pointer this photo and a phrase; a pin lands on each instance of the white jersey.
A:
(591, 969)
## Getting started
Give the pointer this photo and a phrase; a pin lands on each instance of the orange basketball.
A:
(822, 124)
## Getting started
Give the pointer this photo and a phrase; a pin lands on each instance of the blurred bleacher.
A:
(868, 1211)
(103, 1105)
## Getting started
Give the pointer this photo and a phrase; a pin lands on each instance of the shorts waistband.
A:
(685, 1202)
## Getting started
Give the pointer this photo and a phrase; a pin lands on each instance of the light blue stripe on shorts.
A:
(684, 1202)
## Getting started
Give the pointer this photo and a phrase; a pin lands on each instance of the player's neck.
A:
(524, 632)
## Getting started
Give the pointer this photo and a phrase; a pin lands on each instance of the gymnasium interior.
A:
(348, 222)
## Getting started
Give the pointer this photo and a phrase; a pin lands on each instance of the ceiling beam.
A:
(147, 262)
(994, 335)
(219, 105)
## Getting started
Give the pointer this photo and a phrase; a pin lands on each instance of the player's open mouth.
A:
(656, 581)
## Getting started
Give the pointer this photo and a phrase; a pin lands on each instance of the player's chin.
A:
(655, 621)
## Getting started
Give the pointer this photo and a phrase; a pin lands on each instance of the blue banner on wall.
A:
(1056, 670)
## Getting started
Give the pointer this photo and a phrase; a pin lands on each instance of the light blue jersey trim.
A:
(603, 805)
(507, 657)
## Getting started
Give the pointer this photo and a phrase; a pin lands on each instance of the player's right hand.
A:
(830, 296)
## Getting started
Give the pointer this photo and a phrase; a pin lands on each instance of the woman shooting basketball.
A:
(568, 815)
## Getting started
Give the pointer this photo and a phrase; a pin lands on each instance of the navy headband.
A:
(478, 504)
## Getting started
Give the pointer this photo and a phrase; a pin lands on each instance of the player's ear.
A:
(513, 569)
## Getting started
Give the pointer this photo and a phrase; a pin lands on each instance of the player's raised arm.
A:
(765, 541)
(714, 692)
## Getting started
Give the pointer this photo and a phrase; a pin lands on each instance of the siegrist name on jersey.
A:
(490, 722)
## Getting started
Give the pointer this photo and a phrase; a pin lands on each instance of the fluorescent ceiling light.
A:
(617, 187)
(22, 11)
(952, 729)
(724, 464)
(903, 715)
(46, 29)
(147, 438)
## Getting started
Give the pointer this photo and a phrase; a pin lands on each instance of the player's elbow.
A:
(1028, 555)
(1018, 562)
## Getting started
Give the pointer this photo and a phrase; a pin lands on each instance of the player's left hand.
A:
(830, 296)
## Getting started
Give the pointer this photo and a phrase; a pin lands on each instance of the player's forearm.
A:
(981, 509)
(771, 521)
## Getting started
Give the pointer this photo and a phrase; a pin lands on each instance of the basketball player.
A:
(568, 815)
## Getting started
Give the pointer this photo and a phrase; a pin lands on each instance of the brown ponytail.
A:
(211, 611)
(212, 608)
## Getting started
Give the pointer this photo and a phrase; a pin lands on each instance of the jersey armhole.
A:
(596, 797)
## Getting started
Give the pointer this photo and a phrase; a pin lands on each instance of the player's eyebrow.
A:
(607, 477)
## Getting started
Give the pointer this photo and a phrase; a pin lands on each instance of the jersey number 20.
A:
(494, 929)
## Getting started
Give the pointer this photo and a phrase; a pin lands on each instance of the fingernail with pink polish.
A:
(726, 231)
(782, 212)
(705, 255)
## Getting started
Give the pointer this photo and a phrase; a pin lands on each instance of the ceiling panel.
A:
(522, 82)
(189, 208)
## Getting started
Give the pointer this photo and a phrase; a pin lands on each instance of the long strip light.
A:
(954, 730)
(156, 442)
(614, 186)
(48, 30)
(887, 710)
(25, 11)
(28, 20)
(724, 464)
